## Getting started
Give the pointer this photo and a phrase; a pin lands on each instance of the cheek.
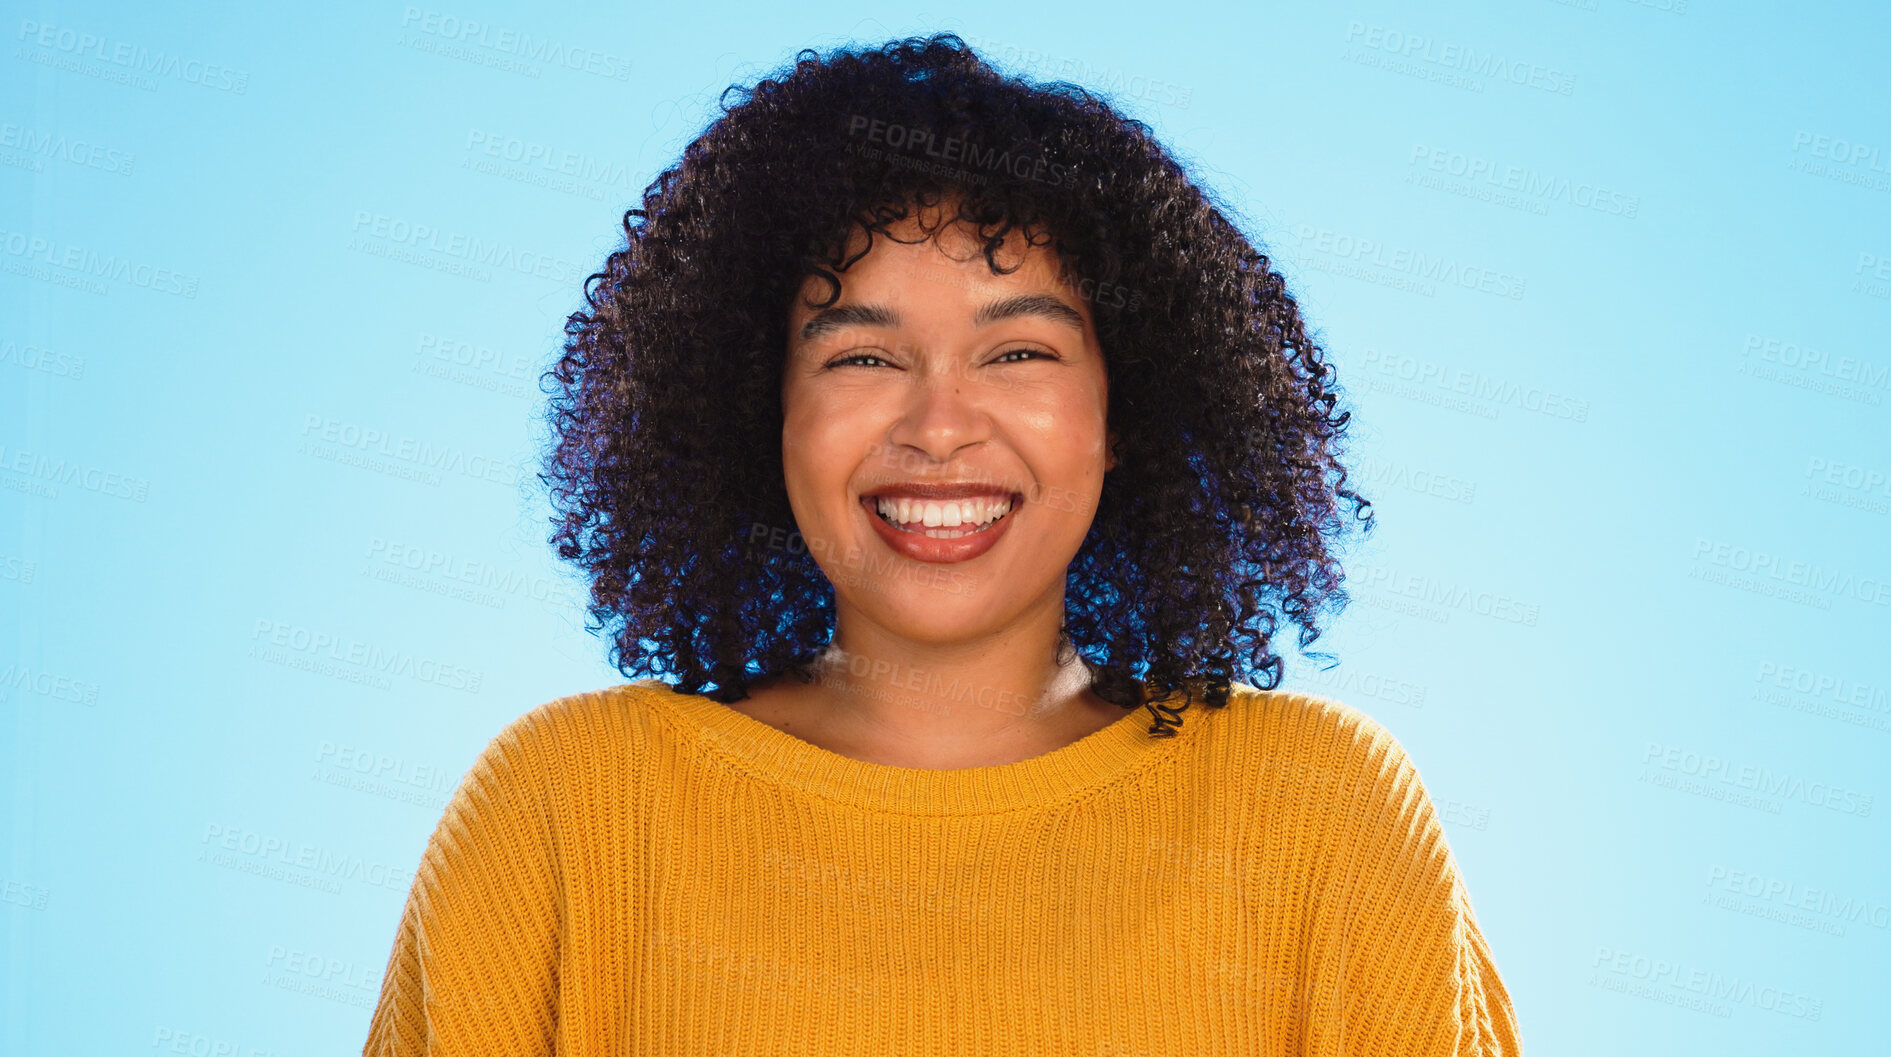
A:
(818, 453)
(1072, 426)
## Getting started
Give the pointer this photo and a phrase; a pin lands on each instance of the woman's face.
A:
(933, 383)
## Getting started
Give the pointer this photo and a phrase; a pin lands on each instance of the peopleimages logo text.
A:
(954, 149)
(474, 33)
(121, 53)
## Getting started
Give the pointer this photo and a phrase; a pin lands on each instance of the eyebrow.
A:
(838, 317)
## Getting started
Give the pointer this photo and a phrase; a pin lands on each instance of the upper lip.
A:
(919, 490)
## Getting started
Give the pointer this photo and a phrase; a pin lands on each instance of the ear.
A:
(1109, 453)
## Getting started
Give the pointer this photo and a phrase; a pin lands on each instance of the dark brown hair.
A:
(1220, 518)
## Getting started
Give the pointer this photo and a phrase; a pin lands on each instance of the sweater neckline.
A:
(783, 759)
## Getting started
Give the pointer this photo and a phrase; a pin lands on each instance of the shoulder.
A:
(1346, 781)
(1344, 800)
(1315, 730)
(567, 737)
(1320, 759)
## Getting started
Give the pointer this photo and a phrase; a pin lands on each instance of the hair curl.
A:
(1223, 509)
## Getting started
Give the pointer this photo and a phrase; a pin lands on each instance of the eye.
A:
(850, 359)
(1024, 351)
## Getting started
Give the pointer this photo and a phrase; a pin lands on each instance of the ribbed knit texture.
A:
(637, 871)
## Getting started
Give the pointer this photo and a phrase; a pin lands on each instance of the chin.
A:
(931, 601)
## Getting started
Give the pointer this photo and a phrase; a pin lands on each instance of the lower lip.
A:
(924, 548)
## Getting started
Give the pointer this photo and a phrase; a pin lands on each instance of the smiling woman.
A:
(930, 425)
(929, 417)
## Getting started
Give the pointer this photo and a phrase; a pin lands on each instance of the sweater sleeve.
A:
(475, 958)
(1412, 975)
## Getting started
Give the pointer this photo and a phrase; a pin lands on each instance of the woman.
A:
(922, 409)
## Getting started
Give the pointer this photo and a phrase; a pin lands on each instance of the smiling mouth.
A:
(942, 519)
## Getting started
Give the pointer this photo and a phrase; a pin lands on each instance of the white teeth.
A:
(920, 515)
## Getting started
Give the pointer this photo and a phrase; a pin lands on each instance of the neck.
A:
(1007, 689)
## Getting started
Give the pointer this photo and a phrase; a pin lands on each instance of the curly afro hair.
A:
(1220, 516)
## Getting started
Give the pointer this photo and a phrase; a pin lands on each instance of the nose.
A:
(940, 417)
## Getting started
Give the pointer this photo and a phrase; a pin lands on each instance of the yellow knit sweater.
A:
(638, 871)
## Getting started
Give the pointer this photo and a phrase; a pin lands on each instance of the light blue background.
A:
(1624, 780)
